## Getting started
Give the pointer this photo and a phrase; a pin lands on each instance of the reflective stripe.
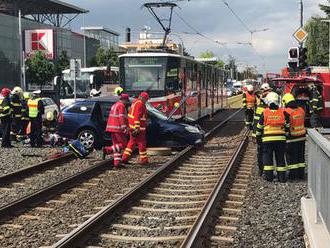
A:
(296, 140)
(269, 167)
(114, 127)
(33, 107)
(293, 166)
(128, 149)
(281, 169)
(302, 165)
(127, 153)
(121, 115)
(131, 116)
(273, 138)
(257, 118)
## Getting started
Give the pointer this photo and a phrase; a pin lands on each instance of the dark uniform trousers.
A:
(249, 114)
(36, 131)
(295, 157)
(269, 148)
(260, 158)
(6, 127)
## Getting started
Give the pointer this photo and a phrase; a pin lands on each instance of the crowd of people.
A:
(21, 117)
(278, 125)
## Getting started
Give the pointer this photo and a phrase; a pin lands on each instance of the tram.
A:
(175, 83)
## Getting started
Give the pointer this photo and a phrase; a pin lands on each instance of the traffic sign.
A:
(300, 35)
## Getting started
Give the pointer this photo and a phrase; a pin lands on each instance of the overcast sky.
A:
(213, 19)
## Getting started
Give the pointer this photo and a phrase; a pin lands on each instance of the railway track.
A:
(162, 209)
(58, 208)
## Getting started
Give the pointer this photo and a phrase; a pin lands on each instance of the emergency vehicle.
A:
(173, 80)
(300, 86)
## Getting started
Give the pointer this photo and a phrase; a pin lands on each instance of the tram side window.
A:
(172, 74)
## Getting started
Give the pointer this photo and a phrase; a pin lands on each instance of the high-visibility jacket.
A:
(33, 107)
(5, 108)
(273, 125)
(17, 106)
(249, 100)
(137, 115)
(297, 124)
(117, 121)
(257, 114)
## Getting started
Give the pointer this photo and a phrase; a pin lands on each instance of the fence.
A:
(319, 176)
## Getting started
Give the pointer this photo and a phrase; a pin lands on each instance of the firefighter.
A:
(117, 125)
(36, 110)
(118, 91)
(249, 104)
(265, 88)
(25, 113)
(6, 112)
(16, 102)
(272, 130)
(316, 105)
(295, 154)
(137, 124)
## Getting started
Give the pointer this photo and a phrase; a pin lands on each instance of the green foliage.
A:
(39, 69)
(317, 42)
(105, 57)
(62, 63)
(208, 55)
(325, 8)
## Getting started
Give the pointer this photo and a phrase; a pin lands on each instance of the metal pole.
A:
(75, 82)
(301, 18)
(329, 43)
(20, 48)
(85, 59)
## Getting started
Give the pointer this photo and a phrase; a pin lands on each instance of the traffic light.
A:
(303, 58)
(293, 57)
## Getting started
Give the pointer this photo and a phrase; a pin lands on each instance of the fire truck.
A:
(301, 84)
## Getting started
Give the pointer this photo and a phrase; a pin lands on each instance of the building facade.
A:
(64, 39)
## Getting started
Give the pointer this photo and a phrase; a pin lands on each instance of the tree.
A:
(39, 69)
(62, 63)
(317, 43)
(325, 8)
(105, 57)
(208, 55)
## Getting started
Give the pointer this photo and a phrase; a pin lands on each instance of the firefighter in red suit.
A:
(117, 125)
(137, 120)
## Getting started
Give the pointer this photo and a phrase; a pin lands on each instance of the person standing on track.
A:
(249, 104)
(265, 89)
(6, 112)
(295, 153)
(16, 102)
(117, 125)
(137, 120)
(36, 110)
(118, 91)
(25, 113)
(272, 130)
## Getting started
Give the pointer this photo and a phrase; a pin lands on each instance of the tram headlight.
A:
(192, 129)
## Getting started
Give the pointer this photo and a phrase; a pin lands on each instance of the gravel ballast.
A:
(14, 159)
(271, 215)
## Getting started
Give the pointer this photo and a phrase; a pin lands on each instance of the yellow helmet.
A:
(27, 95)
(118, 91)
(50, 116)
(287, 98)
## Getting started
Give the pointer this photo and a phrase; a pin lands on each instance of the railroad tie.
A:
(142, 239)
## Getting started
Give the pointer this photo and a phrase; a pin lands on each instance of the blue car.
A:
(86, 120)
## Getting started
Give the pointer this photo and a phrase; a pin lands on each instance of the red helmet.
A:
(5, 92)
(144, 95)
(124, 96)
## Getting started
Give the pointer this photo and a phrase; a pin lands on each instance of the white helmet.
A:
(95, 93)
(265, 87)
(272, 97)
(17, 91)
(249, 87)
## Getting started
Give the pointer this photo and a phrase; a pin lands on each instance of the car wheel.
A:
(87, 138)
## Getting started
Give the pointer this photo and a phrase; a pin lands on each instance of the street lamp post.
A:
(328, 21)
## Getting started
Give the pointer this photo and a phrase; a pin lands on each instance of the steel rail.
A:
(201, 225)
(42, 195)
(27, 171)
(82, 232)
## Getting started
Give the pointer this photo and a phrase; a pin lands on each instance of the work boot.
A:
(104, 153)
(293, 174)
(281, 175)
(269, 176)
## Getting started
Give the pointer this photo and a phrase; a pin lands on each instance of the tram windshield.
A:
(149, 73)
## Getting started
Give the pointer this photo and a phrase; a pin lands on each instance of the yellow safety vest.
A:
(33, 107)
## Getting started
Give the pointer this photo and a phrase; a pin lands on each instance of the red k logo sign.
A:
(37, 42)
